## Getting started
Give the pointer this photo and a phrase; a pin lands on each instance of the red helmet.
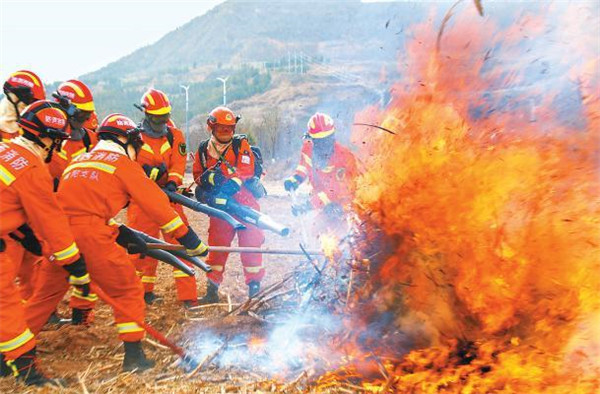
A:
(222, 115)
(26, 85)
(121, 126)
(320, 126)
(44, 118)
(79, 94)
(156, 102)
(92, 122)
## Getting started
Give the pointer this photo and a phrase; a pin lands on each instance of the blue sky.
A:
(64, 39)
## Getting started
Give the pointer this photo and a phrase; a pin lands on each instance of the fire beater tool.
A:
(189, 362)
(228, 249)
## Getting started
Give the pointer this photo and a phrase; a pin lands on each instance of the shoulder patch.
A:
(182, 149)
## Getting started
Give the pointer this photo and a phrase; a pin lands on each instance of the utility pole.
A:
(224, 80)
(187, 109)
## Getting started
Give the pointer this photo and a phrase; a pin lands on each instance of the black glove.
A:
(24, 234)
(78, 276)
(302, 208)
(194, 246)
(131, 241)
(333, 210)
(292, 183)
(171, 186)
(155, 172)
(212, 178)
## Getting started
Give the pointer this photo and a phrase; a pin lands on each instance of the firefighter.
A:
(20, 89)
(221, 166)
(82, 139)
(163, 158)
(109, 179)
(330, 168)
(27, 202)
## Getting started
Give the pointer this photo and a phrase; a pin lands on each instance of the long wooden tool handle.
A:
(231, 249)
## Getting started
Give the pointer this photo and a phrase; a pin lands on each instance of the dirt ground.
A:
(89, 359)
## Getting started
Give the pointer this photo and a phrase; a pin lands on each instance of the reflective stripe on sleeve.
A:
(302, 169)
(307, 159)
(172, 225)
(148, 279)
(5, 176)
(66, 253)
(14, 343)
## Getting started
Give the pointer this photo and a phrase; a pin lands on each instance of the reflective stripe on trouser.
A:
(221, 234)
(137, 219)
(109, 268)
(79, 301)
(16, 337)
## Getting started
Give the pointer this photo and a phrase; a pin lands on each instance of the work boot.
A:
(82, 317)
(25, 369)
(151, 298)
(135, 359)
(253, 288)
(212, 294)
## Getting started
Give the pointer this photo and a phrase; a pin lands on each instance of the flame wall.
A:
(492, 183)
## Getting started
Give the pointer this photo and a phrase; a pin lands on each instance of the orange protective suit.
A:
(26, 197)
(333, 183)
(170, 151)
(61, 159)
(220, 233)
(109, 180)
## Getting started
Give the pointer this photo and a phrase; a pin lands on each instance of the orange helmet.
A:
(42, 119)
(119, 125)
(222, 115)
(26, 85)
(320, 126)
(156, 102)
(92, 122)
(79, 94)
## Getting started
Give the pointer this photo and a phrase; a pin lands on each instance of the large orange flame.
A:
(494, 189)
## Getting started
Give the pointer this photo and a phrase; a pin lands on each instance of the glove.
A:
(333, 210)
(194, 246)
(78, 276)
(131, 241)
(212, 178)
(292, 183)
(155, 173)
(171, 186)
(24, 234)
(302, 208)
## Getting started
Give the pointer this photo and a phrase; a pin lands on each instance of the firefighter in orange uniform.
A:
(109, 179)
(220, 172)
(330, 169)
(163, 158)
(20, 89)
(26, 199)
(82, 139)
